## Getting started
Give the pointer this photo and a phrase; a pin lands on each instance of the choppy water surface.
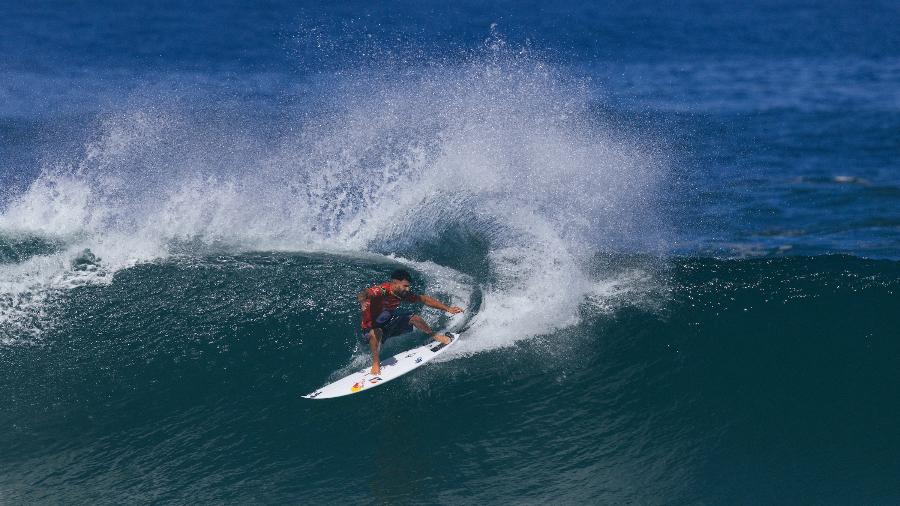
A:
(676, 232)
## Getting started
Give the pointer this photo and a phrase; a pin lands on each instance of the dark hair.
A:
(401, 275)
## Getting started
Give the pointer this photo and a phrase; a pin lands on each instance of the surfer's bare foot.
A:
(442, 338)
(376, 369)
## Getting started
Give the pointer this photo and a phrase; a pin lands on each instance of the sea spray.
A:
(503, 146)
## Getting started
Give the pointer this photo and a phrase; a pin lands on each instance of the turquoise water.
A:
(755, 380)
(675, 230)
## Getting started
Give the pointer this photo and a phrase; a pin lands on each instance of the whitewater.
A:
(675, 232)
(502, 149)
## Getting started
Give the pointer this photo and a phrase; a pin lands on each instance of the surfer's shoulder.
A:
(378, 290)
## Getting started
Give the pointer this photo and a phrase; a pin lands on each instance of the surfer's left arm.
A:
(432, 302)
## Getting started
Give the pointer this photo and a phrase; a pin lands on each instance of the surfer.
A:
(381, 320)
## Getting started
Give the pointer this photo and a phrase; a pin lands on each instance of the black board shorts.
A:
(396, 325)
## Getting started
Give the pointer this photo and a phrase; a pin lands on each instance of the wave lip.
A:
(502, 145)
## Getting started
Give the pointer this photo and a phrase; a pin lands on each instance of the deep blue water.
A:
(675, 228)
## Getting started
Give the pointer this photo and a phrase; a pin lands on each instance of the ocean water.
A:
(675, 229)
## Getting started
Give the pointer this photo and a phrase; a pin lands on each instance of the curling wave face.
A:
(502, 151)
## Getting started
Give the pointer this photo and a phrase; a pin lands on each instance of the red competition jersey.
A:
(381, 298)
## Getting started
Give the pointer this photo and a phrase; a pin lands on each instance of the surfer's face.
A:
(400, 288)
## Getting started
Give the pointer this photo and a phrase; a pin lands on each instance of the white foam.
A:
(504, 146)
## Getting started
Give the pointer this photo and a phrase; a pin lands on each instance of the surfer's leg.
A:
(420, 324)
(375, 347)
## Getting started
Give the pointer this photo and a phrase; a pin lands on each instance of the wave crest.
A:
(504, 146)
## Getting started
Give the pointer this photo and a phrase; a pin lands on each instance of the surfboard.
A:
(392, 368)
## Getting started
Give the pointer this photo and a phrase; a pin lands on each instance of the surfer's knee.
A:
(414, 319)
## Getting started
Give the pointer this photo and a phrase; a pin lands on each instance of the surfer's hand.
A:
(455, 310)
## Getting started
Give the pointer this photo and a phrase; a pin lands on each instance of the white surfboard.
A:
(392, 368)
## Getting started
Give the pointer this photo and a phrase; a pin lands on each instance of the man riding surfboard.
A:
(381, 320)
